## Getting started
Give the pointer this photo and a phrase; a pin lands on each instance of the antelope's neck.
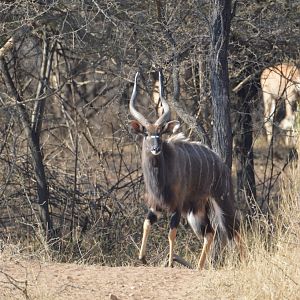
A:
(154, 171)
(152, 164)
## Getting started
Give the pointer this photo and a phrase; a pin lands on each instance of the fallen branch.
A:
(17, 284)
(180, 260)
(242, 83)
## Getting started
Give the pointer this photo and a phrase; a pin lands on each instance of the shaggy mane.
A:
(179, 137)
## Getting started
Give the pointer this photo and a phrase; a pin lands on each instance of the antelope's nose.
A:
(156, 148)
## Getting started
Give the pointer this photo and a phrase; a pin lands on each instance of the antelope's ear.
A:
(136, 128)
(171, 127)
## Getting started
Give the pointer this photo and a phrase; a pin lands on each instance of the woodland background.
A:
(71, 187)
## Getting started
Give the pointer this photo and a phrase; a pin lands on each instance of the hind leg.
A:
(287, 124)
(208, 239)
(201, 226)
(269, 109)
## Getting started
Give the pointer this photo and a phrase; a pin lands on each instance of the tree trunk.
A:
(219, 81)
(33, 136)
(246, 188)
(219, 31)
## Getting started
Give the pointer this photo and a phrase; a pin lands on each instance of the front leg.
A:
(174, 222)
(149, 221)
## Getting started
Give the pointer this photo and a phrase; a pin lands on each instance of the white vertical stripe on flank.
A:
(207, 162)
(197, 149)
(213, 170)
(187, 154)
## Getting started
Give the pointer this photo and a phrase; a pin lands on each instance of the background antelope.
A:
(280, 81)
(183, 178)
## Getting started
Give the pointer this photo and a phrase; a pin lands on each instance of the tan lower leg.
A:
(208, 239)
(172, 237)
(146, 231)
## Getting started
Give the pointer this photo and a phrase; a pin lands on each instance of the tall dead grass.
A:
(272, 267)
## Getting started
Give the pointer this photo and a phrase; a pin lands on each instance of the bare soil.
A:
(70, 281)
(46, 280)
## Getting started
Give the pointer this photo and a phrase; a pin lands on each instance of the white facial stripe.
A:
(155, 152)
(154, 136)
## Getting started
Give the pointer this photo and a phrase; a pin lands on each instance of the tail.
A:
(224, 213)
(226, 221)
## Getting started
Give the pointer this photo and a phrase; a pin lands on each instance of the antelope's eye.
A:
(145, 134)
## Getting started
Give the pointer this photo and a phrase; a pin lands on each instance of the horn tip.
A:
(136, 77)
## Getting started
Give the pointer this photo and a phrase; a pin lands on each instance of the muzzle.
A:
(155, 144)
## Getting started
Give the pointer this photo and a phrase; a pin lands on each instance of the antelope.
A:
(183, 178)
(280, 81)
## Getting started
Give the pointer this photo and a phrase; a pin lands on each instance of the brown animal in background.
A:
(183, 178)
(155, 94)
(280, 81)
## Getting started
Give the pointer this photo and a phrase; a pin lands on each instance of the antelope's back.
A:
(275, 80)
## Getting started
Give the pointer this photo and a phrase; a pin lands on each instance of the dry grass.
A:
(272, 270)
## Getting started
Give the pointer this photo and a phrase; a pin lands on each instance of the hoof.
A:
(167, 265)
(143, 260)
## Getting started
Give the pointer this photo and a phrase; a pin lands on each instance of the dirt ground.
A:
(36, 280)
